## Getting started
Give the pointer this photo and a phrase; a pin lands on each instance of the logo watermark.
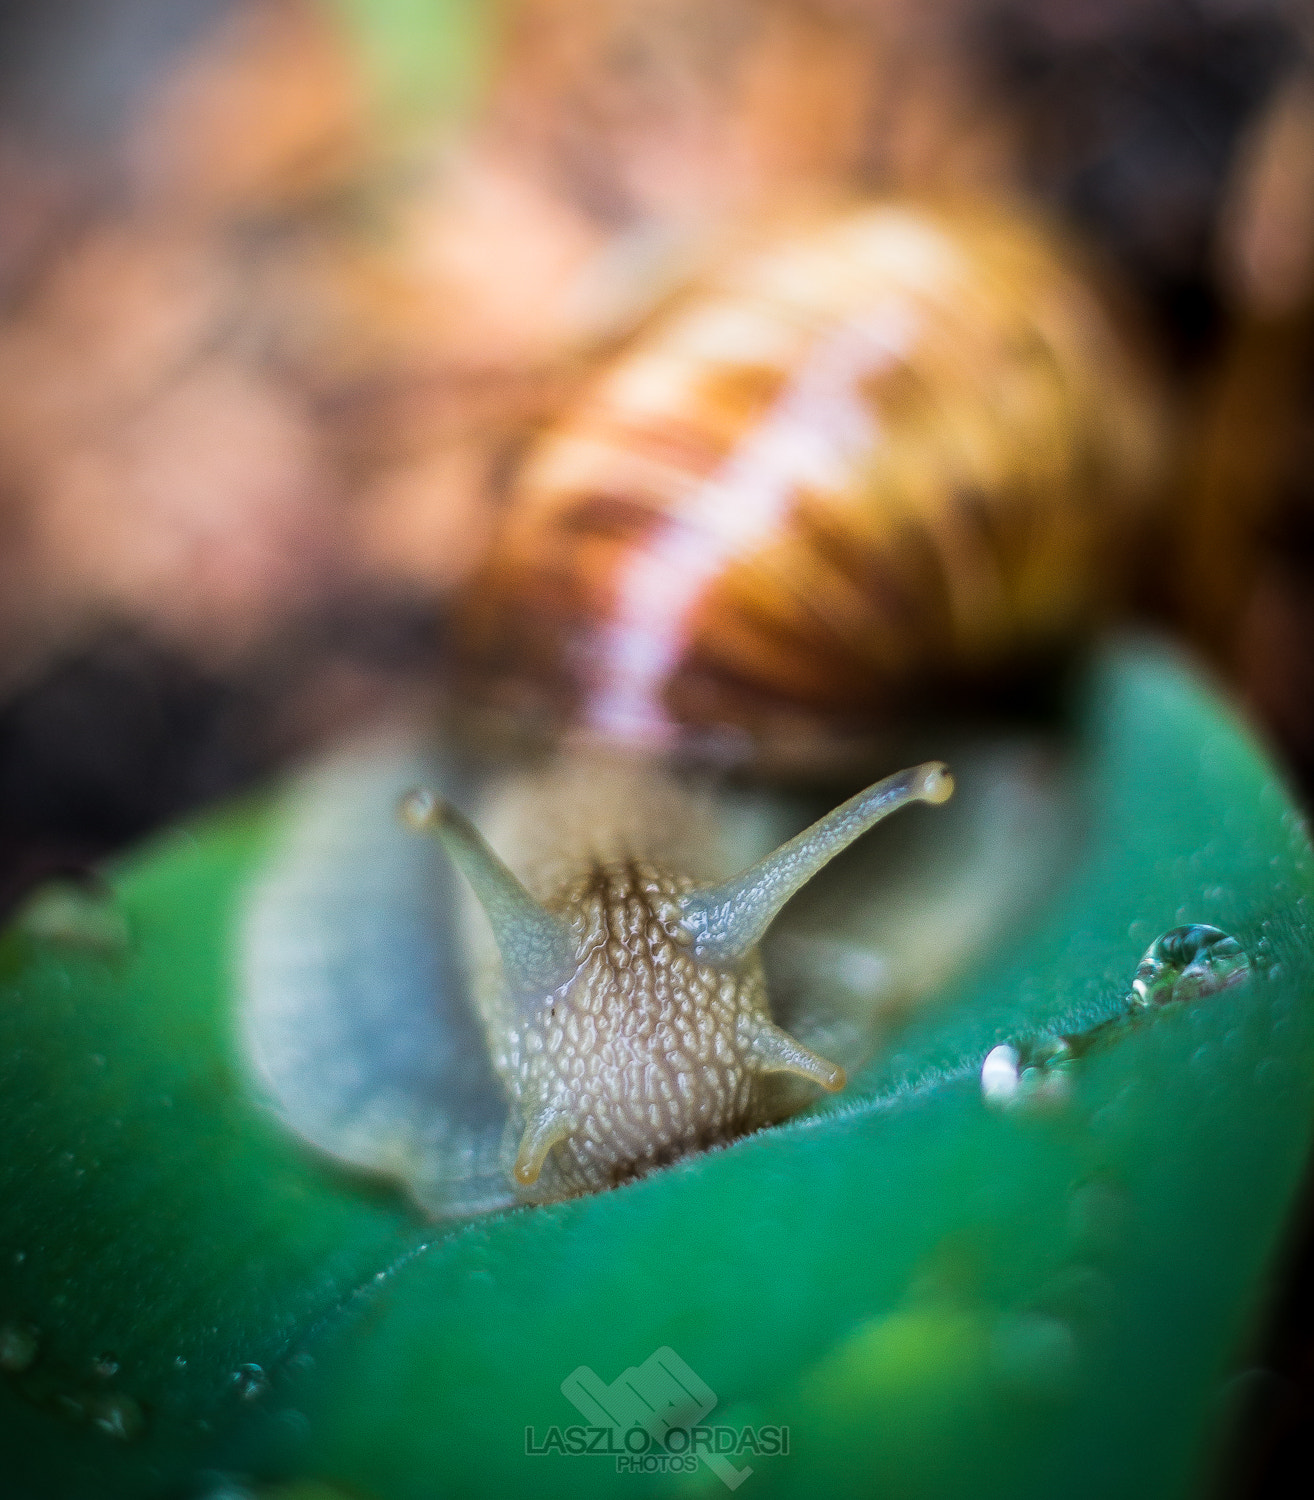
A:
(652, 1419)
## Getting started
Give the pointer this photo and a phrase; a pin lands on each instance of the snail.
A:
(889, 449)
(627, 1016)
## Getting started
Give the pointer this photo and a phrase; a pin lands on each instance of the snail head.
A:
(634, 1025)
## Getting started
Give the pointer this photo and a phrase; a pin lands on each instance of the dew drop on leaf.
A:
(1188, 963)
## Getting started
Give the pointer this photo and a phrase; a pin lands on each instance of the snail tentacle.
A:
(775, 1051)
(538, 951)
(380, 1023)
(659, 1039)
(543, 1131)
(729, 920)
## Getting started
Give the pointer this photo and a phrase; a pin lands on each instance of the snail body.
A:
(627, 1014)
(894, 449)
(590, 1010)
(404, 1018)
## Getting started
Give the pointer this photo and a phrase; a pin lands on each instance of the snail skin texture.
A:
(628, 1017)
(591, 1001)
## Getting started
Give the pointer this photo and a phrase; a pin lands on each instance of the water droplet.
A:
(1188, 963)
(19, 1343)
(116, 1415)
(1032, 1071)
(250, 1381)
(999, 1074)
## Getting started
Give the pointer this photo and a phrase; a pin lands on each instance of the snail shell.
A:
(895, 448)
(884, 452)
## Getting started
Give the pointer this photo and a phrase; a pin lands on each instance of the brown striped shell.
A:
(892, 448)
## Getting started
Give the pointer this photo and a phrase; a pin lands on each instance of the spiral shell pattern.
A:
(892, 448)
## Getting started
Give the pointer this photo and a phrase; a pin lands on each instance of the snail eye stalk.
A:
(538, 951)
(729, 920)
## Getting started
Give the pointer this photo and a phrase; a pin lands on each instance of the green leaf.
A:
(936, 1296)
